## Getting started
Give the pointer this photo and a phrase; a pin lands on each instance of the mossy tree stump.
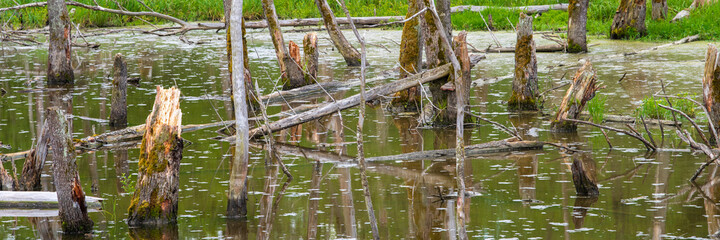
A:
(292, 75)
(71, 198)
(525, 84)
(577, 26)
(436, 56)
(629, 21)
(311, 57)
(659, 9)
(155, 201)
(349, 53)
(584, 176)
(118, 108)
(711, 85)
(581, 91)
(60, 71)
(410, 58)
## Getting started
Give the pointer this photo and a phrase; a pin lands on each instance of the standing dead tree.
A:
(60, 71)
(629, 21)
(292, 75)
(525, 84)
(577, 26)
(410, 57)
(349, 53)
(71, 198)
(118, 109)
(155, 201)
(711, 85)
(659, 9)
(584, 176)
(581, 91)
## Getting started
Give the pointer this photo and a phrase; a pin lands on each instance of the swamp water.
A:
(524, 195)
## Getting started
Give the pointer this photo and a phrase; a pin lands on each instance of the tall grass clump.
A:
(596, 107)
(650, 107)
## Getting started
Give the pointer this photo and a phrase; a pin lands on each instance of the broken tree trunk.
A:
(71, 198)
(541, 48)
(292, 75)
(461, 86)
(533, 9)
(584, 176)
(35, 160)
(60, 70)
(577, 26)
(118, 109)
(581, 91)
(39, 200)
(349, 53)
(311, 57)
(436, 55)
(711, 85)
(629, 21)
(7, 182)
(372, 94)
(525, 86)
(155, 201)
(659, 9)
(695, 4)
(410, 59)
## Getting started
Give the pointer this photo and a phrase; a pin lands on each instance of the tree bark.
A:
(410, 58)
(711, 85)
(71, 198)
(629, 21)
(7, 182)
(292, 76)
(460, 98)
(155, 201)
(580, 92)
(349, 53)
(577, 26)
(60, 70)
(525, 84)
(35, 160)
(311, 57)
(584, 176)
(436, 55)
(237, 194)
(659, 9)
(118, 109)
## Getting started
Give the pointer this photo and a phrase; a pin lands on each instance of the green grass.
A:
(596, 107)
(600, 14)
(650, 107)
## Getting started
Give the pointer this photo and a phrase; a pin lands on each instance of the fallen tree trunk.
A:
(629, 119)
(301, 22)
(532, 9)
(349, 53)
(507, 145)
(39, 200)
(541, 48)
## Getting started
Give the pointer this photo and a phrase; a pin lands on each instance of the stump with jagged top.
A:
(581, 91)
(525, 84)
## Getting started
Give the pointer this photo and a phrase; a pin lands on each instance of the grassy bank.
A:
(600, 15)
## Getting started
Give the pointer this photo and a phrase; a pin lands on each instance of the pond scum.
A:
(448, 149)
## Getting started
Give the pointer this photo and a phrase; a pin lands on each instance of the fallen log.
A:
(541, 48)
(629, 119)
(507, 145)
(330, 108)
(301, 22)
(39, 200)
(532, 9)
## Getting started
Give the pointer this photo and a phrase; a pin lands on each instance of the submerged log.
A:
(155, 201)
(60, 71)
(39, 200)
(349, 53)
(525, 84)
(581, 91)
(532, 9)
(507, 145)
(70, 196)
(659, 9)
(629, 21)
(410, 59)
(577, 26)
(711, 85)
(118, 109)
(292, 76)
(584, 176)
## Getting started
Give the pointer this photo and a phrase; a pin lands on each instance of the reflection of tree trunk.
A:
(527, 167)
(46, 227)
(351, 55)
(347, 206)
(314, 201)
(122, 169)
(582, 204)
(450, 224)
(662, 178)
(266, 201)
(712, 212)
(164, 232)
(59, 53)
(237, 229)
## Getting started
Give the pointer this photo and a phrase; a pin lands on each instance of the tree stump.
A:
(7, 182)
(155, 200)
(237, 196)
(292, 76)
(60, 71)
(711, 85)
(71, 198)
(525, 84)
(581, 91)
(349, 53)
(118, 109)
(659, 9)
(410, 59)
(584, 176)
(629, 21)
(35, 161)
(461, 86)
(311, 57)
(577, 26)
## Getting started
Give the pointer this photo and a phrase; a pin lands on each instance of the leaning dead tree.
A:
(711, 85)
(410, 58)
(577, 26)
(155, 201)
(60, 69)
(71, 198)
(237, 194)
(659, 9)
(629, 20)
(695, 5)
(525, 84)
(292, 75)
(349, 53)
(581, 91)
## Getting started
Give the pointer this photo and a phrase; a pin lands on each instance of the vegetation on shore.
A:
(702, 21)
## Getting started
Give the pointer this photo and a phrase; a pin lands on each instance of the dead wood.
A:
(525, 84)
(577, 26)
(349, 53)
(35, 161)
(582, 90)
(541, 48)
(507, 145)
(629, 20)
(118, 108)
(584, 176)
(633, 134)
(532, 9)
(38, 200)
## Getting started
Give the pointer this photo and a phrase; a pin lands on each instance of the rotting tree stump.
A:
(155, 201)
(584, 176)
(711, 85)
(581, 91)
(349, 53)
(60, 71)
(7, 182)
(525, 84)
(459, 86)
(411, 48)
(311, 57)
(629, 21)
(577, 26)
(35, 161)
(292, 76)
(118, 108)
(71, 198)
